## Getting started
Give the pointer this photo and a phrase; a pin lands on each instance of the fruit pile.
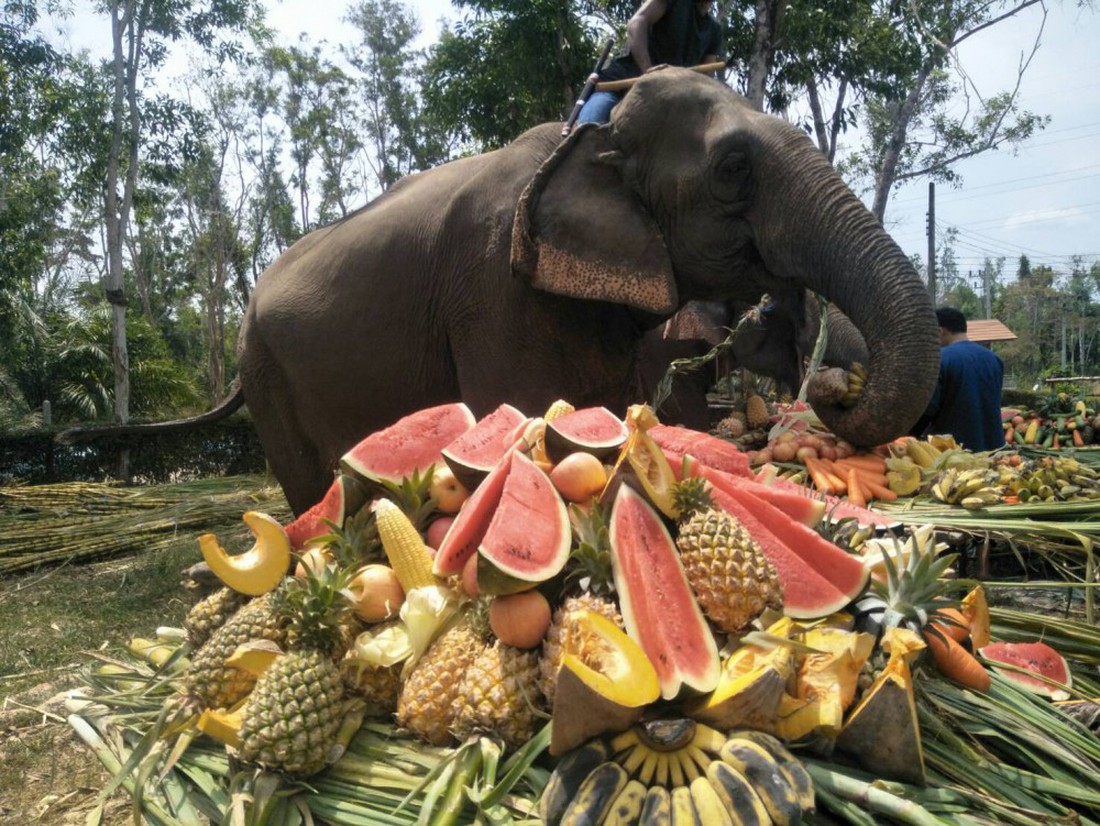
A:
(677, 618)
(1061, 422)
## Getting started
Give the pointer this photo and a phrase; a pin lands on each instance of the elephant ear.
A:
(579, 230)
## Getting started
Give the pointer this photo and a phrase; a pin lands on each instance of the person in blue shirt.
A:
(967, 400)
(672, 32)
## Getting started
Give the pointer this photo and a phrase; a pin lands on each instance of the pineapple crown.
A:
(589, 566)
(412, 494)
(690, 496)
(314, 607)
(913, 590)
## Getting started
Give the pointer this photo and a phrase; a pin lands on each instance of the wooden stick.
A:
(626, 83)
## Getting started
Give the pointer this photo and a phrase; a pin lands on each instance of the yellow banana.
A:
(664, 760)
(625, 740)
(634, 759)
(708, 806)
(708, 739)
(683, 810)
(676, 768)
(649, 765)
(627, 808)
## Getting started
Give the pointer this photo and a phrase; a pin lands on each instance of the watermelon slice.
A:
(713, 452)
(473, 454)
(808, 592)
(594, 430)
(345, 496)
(837, 509)
(468, 528)
(527, 541)
(1036, 657)
(806, 510)
(412, 444)
(658, 607)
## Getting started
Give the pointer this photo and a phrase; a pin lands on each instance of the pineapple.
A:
(756, 411)
(293, 716)
(499, 696)
(379, 686)
(426, 704)
(208, 681)
(914, 587)
(210, 613)
(733, 580)
(590, 579)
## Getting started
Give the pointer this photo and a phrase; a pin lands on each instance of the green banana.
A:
(737, 795)
(797, 775)
(567, 777)
(596, 795)
(756, 765)
(657, 809)
(627, 808)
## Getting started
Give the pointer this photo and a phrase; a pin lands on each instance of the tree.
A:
(140, 33)
(400, 140)
(507, 66)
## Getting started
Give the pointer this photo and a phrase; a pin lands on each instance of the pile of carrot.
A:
(861, 476)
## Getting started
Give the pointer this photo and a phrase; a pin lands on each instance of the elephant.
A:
(532, 273)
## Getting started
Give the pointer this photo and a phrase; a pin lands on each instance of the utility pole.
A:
(932, 241)
(987, 291)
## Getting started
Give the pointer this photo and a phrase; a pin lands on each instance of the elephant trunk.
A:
(854, 263)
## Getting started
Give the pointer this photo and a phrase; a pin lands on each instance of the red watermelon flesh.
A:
(806, 510)
(713, 452)
(659, 609)
(594, 430)
(344, 498)
(1036, 657)
(807, 594)
(837, 509)
(413, 443)
(473, 454)
(528, 539)
(471, 523)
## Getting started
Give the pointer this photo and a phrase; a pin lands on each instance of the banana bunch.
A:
(1060, 478)
(678, 772)
(973, 489)
(923, 454)
(857, 377)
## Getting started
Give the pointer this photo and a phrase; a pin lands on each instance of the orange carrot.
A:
(871, 461)
(1078, 439)
(952, 622)
(876, 491)
(823, 480)
(843, 466)
(856, 496)
(956, 663)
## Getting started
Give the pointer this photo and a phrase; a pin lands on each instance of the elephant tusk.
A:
(257, 570)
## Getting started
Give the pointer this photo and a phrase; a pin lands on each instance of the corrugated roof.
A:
(988, 329)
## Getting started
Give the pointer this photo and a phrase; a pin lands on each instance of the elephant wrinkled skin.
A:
(531, 273)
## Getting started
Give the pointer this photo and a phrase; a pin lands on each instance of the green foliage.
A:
(507, 66)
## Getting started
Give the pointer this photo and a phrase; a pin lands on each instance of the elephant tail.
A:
(82, 435)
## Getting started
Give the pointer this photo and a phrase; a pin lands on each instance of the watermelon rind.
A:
(527, 541)
(411, 444)
(462, 538)
(1035, 657)
(594, 430)
(659, 610)
(807, 594)
(476, 452)
(345, 496)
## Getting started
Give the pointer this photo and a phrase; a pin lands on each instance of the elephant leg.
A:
(292, 454)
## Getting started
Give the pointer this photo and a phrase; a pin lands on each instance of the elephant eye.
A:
(730, 177)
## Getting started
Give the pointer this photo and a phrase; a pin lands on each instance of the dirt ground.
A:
(59, 779)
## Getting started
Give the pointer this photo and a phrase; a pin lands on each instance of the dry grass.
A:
(53, 618)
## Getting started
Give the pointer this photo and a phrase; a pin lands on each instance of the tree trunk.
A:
(125, 30)
(906, 109)
(767, 19)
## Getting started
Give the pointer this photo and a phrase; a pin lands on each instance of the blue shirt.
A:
(967, 399)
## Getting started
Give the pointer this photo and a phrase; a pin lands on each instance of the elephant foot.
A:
(837, 386)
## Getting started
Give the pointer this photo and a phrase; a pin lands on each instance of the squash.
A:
(604, 688)
(260, 568)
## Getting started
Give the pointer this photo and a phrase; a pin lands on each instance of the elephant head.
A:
(688, 193)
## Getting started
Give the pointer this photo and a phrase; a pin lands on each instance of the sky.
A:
(1041, 200)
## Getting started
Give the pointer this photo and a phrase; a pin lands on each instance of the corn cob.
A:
(404, 547)
(558, 408)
